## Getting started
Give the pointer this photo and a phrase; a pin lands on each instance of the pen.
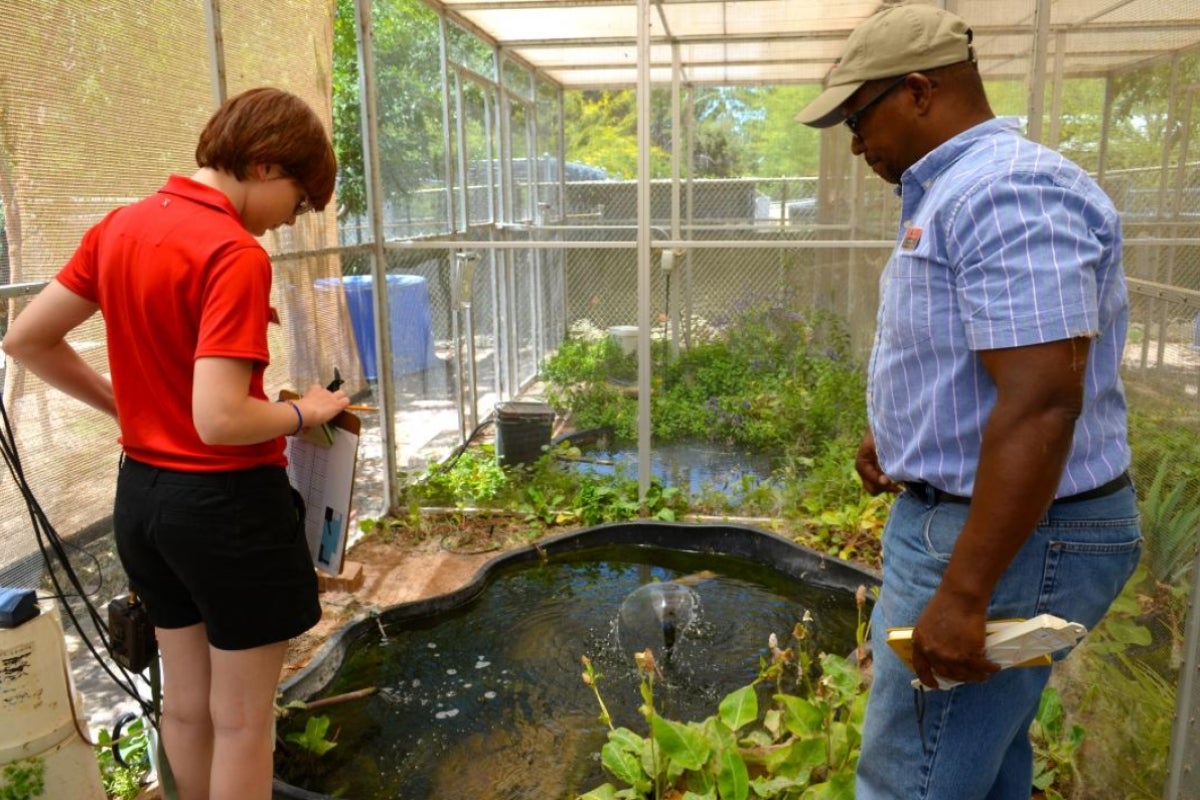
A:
(337, 381)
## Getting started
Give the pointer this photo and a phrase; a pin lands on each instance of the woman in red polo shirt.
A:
(206, 525)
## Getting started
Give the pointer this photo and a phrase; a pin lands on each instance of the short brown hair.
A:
(271, 126)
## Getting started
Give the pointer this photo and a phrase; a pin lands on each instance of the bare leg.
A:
(187, 728)
(243, 712)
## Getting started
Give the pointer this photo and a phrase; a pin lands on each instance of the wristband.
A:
(299, 418)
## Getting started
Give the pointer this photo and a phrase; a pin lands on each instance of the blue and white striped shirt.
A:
(1004, 243)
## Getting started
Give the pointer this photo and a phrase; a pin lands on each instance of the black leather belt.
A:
(932, 495)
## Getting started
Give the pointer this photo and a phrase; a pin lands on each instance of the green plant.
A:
(1055, 744)
(544, 507)
(471, 477)
(1128, 708)
(803, 745)
(1170, 524)
(23, 780)
(800, 746)
(1126, 705)
(313, 738)
(124, 780)
(543, 492)
(766, 378)
(1162, 433)
(851, 531)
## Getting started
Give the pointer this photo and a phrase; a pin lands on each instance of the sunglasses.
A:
(854, 119)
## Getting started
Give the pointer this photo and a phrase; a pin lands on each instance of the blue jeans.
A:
(972, 741)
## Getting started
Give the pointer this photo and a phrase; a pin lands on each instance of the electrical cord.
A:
(462, 448)
(54, 553)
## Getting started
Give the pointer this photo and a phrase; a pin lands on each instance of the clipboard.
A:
(321, 466)
(997, 631)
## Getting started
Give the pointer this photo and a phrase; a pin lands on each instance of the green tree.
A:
(1140, 105)
(408, 95)
(778, 145)
(722, 114)
(601, 130)
(739, 131)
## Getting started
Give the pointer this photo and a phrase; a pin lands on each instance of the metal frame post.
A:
(643, 246)
(216, 51)
(374, 185)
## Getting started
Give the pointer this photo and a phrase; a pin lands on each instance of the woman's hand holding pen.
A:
(319, 405)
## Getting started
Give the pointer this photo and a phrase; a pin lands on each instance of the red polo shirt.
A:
(177, 278)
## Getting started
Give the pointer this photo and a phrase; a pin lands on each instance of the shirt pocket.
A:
(907, 301)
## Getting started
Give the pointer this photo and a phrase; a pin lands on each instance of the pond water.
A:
(486, 701)
(692, 467)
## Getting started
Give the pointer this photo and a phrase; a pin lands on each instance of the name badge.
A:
(912, 238)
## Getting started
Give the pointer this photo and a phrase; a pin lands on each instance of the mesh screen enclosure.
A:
(503, 235)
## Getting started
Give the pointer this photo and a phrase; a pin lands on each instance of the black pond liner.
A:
(741, 541)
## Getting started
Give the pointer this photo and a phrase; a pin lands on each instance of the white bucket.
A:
(35, 703)
(626, 336)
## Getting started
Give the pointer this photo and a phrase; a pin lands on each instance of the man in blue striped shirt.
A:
(996, 409)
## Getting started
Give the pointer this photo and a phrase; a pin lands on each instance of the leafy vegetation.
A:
(24, 779)
(313, 737)
(544, 494)
(1170, 527)
(803, 744)
(1119, 686)
(766, 378)
(408, 84)
(124, 778)
(766, 381)
(1055, 746)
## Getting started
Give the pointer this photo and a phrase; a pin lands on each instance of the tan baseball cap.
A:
(894, 41)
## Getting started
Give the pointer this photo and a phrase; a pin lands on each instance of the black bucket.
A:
(522, 430)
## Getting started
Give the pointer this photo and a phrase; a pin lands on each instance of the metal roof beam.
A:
(584, 39)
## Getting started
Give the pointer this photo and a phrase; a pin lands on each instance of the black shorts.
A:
(223, 548)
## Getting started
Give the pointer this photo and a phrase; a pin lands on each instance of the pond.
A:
(484, 699)
(692, 467)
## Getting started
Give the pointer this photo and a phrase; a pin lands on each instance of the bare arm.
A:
(37, 339)
(1025, 446)
(225, 413)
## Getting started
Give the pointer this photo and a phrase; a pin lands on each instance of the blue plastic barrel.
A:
(411, 322)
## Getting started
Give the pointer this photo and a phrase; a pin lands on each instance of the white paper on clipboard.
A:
(324, 477)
